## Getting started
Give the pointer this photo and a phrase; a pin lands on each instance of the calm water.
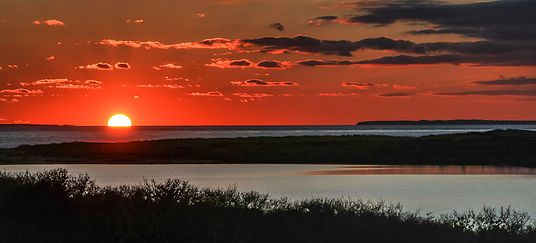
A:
(13, 136)
(429, 188)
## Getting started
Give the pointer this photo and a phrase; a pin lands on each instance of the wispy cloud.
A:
(207, 94)
(214, 43)
(262, 83)
(49, 22)
(167, 66)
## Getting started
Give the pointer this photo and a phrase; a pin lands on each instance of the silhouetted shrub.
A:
(53, 206)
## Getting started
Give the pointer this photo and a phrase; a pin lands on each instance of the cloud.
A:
(498, 53)
(167, 66)
(521, 59)
(314, 63)
(214, 43)
(98, 66)
(361, 86)
(490, 93)
(494, 20)
(77, 86)
(339, 94)
(9, 101)
(261, 83)
(201, 15)
(167, 78)
(322, 20)
(277, 26)
(271, 64)
(169, 86)
(49, 22)
(45, 81)
(22, 91)
(244, 63)
(305, 44)
(134, 21)
(63, 83)
(221, 63)
(403, 87)
(394, 95)
(509, 81)
(50, 58)
(252, 95)
(122, 65)
(209, 94)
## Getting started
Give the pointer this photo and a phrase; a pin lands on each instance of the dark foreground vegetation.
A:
(500, 147)
(55, 207)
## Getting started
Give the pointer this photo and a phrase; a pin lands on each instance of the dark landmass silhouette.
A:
(53, 206)
(448, 122)
(500, 147)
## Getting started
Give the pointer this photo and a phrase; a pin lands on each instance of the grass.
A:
(501, 147)
(54, 206)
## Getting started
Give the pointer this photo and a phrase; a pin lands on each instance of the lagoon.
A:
(434, 189)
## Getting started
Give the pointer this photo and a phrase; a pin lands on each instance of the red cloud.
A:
(22, 91)
(169, 86)
(122, 65)
(362, 86)
(403, 87)
(214, 43)
(46, 81)
(338, 94)
(167, 66)
(210, 93)
(63, 83)
(98, 66)
(252, 95)
(49, 22)
(258, 82)
(242, 63)
(134, 21)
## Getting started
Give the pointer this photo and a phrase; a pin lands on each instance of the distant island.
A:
(448, 122)
(500, 147)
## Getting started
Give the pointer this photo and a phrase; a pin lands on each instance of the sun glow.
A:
(119, 120)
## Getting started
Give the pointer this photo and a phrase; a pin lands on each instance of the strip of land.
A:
(500, 147)
(448, 122)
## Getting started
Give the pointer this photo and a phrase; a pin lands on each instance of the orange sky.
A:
(79, 62)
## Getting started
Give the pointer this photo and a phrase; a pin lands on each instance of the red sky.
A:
(223, 62)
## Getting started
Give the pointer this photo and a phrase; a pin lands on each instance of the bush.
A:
(53, 206)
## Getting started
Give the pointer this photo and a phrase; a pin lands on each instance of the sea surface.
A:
(12, 136)
(434, 189)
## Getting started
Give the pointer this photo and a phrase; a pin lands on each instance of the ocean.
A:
(12, 136)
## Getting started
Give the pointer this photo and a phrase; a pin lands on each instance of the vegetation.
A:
(55, 207)
(501, 147)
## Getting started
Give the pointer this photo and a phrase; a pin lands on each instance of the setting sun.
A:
(119, 120)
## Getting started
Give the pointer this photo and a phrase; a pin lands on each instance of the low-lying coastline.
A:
(53, 206)
(499, 147)
(447, 122)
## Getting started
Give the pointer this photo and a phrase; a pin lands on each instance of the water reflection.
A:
(424, 170)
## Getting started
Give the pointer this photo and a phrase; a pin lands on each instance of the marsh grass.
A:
(53, 206)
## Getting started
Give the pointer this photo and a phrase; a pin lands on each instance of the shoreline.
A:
(498, 147)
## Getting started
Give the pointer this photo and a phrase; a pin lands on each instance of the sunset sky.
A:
(234, 62)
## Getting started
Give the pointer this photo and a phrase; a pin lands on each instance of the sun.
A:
(119, 120)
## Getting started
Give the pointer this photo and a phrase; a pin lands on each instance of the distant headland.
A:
(449, 122)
